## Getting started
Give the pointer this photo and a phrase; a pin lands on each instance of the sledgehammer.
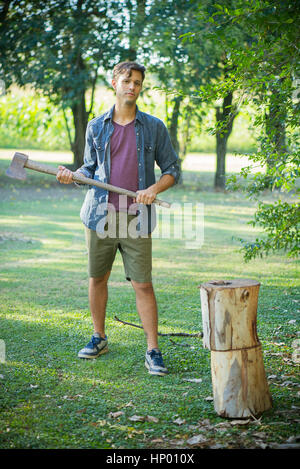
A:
(21, 161)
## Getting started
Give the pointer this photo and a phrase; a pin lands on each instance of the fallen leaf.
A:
(137, 418)
(196, 440)
(293, 439)
(179, 421)
(115, 415)
(150, 418)
(157, 440)
(262, 445)
(259, 434)
(71, 398)
(193, 380)
(204, 422)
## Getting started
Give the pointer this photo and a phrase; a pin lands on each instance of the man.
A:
(122, 147)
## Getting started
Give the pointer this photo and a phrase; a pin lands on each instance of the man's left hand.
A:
(146, 196)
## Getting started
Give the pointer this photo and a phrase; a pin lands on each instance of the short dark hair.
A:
(127, 67)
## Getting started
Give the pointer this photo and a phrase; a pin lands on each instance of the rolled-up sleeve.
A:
(90, 157)
(165, 155)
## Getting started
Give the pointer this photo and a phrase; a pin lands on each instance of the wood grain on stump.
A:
(229, 318)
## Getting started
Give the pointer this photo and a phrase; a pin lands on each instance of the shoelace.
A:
(94, 341)
(157, 357)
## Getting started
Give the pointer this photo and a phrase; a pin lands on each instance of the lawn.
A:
(51, 399)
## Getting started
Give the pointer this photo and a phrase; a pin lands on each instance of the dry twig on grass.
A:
(181, 334)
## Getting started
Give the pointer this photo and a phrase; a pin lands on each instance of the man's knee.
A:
(99, 281)
(143, 287)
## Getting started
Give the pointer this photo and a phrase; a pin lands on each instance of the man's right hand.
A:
(64, 175)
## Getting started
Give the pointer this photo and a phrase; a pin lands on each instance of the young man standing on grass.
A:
(122, 147)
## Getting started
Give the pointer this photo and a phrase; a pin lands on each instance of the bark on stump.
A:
(229, 317)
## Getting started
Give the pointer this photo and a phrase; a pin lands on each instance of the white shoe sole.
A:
(92, 357)
(152, 372)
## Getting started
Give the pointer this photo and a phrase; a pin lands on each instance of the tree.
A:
(58, 48)
(170, 59)
(224, 123)
(190, 60)
(181, 67)
(137, 23)
(220, 90)
(265, 73)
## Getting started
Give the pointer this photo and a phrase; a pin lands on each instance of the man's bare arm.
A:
(147, 196)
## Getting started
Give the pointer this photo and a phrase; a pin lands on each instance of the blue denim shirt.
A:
(153, 145)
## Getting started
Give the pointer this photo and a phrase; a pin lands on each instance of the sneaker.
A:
(154, 363)
(97, 346)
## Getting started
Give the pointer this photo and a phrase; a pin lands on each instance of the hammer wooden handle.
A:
(92, 182)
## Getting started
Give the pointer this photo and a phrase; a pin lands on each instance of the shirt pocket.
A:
(100, 150)
(149, 156)
(149, 148)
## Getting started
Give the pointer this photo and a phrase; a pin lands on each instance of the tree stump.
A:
(229, 317)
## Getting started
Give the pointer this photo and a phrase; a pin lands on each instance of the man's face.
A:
(128, 87)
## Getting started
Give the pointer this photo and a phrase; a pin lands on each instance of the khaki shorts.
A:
(136, 254)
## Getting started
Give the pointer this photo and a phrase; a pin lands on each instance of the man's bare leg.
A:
(147, 309)
(98, 294)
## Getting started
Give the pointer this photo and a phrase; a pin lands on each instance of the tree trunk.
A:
(229, 313)
(220, 178)
(80, 117)
(275, 128)
(186, 138)
(224, 123)
(173, 130)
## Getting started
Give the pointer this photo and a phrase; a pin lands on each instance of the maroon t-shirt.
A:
(124, 165)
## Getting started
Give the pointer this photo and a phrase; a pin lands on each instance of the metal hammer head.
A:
(16, 169)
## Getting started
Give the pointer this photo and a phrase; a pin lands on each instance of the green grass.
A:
(51, 399)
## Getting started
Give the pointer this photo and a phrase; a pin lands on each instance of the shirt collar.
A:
(109, 114)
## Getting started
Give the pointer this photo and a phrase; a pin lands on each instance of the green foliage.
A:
(281, 222)
(200, 53)
(31, 121)
(262, 70)
(43, 126)
(57, 46)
